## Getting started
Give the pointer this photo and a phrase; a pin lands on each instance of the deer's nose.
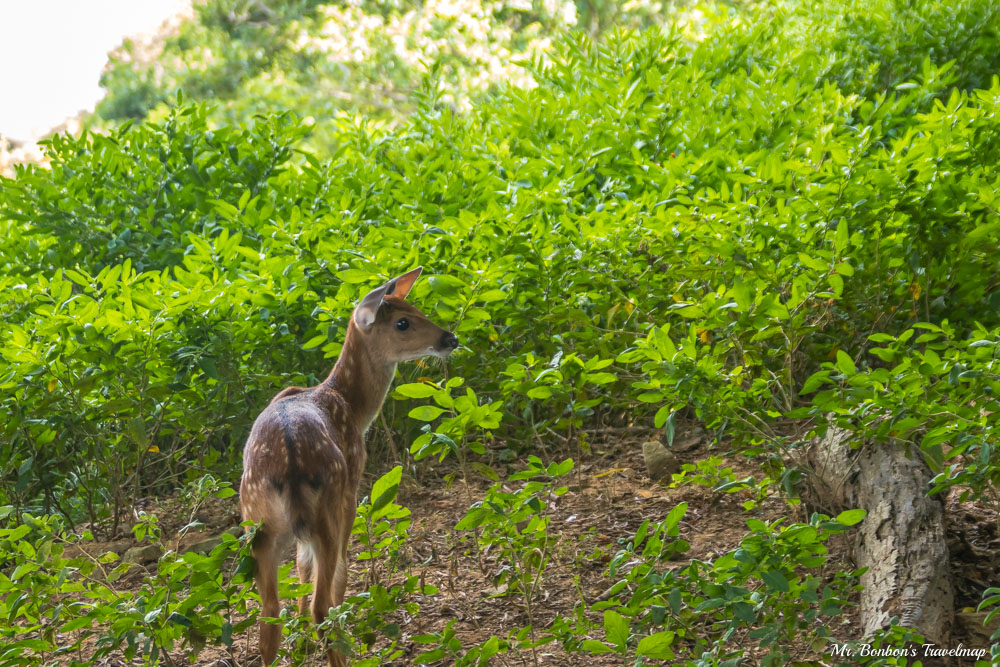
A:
(449, 340)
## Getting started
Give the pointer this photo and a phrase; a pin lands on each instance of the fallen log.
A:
(902, 539)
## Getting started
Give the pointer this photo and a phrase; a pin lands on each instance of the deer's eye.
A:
(403, 324)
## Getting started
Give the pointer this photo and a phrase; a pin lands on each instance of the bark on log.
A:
(901, 541)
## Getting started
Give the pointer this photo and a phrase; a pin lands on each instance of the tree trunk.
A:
(901, 541)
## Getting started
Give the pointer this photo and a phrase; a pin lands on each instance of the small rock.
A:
(660, 461)
(688, 443)
(141, 555)
(691, 436)
(204, 546)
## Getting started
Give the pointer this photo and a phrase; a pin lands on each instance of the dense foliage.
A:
(775, 212)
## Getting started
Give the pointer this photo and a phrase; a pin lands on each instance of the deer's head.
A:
(394, 330)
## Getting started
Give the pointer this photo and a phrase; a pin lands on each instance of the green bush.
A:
(766, 584)
(53, 601)
(731, 232)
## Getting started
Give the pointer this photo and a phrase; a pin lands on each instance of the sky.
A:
(52, 53)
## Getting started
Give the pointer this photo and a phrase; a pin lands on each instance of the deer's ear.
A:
(401, 285)
(364, 314)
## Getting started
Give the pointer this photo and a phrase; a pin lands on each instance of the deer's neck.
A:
(361, 378)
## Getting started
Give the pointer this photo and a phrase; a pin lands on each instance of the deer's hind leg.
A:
(349, 509)
(304, 566)
(327, 562)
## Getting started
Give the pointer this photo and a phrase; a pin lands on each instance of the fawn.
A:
(305, 455)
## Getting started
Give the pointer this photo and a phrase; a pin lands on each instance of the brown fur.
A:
(305, 456)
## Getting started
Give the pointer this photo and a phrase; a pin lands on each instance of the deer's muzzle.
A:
(449, 341)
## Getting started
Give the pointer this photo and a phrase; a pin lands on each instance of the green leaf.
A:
(384, 489)
(675, 598)
(207, 364)
(77, 624)
(814, 382)
(17, 533)
(661, 417)
(446, 284)
(485, 471)
(314, 342)
(845, 364)
(596, 647)
(674, 516)
(416, 390)
(488, 649)
(37, 645)
(851, 517)
(79, 278)
(539, 393)
(355, 276)
(426, 413)
(657, 646)
(883, 353)
(743, 294)
(775, 580)
(428, 657)
(601, 378)
(814, 263)
(844, 269)
(560, 469)
(473, 518)
(616, 629)
(744, 612)
(836, 284)
(179, 619)
(841, 238)
(492, 295)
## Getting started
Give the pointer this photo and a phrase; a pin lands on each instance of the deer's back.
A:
(303, 450)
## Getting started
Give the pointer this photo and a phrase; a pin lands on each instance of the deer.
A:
(305, 455)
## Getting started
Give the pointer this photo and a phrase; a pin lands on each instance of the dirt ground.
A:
(607, 501)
